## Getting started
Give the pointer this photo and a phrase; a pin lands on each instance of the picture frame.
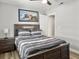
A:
(28, 15)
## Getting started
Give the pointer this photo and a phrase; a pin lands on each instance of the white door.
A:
(51, 26)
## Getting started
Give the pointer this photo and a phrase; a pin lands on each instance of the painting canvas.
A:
(28, 16)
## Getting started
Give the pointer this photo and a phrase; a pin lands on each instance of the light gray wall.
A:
(67, 23)
(9, 17)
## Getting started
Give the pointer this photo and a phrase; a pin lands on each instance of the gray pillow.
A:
(35, 32)
(24, 33)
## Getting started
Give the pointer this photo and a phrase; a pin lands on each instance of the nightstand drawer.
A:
(6, 45)
(4, 48)
(7, 48)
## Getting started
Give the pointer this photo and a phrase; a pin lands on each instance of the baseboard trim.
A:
(75, 51)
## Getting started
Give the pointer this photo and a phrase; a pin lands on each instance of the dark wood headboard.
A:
(33, 27)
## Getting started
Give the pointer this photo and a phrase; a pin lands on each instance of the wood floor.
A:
(14, 55)
(74, 56)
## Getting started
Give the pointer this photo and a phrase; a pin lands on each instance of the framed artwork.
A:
(28, 15)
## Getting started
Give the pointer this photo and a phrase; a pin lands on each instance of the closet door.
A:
(51, 26)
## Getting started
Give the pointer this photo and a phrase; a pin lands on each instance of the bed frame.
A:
(58, 52)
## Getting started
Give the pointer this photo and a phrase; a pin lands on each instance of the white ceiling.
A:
(35, 5)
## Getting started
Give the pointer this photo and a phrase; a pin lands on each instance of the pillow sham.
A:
(24, 33)
(35, 32)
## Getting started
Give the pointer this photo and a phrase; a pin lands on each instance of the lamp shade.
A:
(6, 30)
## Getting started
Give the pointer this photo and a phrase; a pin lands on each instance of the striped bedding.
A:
(27, 44)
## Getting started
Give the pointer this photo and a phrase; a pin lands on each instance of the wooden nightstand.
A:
(7, 45)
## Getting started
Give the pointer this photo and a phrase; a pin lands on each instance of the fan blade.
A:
(49, 3)
(35, 0)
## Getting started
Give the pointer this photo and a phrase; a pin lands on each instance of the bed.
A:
(37, 46)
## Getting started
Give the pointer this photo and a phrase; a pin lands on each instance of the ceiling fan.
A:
(44, 1)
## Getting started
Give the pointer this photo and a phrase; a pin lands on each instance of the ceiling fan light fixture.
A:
(44, 1)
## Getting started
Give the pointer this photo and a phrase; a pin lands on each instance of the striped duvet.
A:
(27, 44)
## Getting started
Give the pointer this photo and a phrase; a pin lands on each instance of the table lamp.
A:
(6, 33)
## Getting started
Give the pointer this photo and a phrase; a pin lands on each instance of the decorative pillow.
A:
(35, 32)
(24, 33)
